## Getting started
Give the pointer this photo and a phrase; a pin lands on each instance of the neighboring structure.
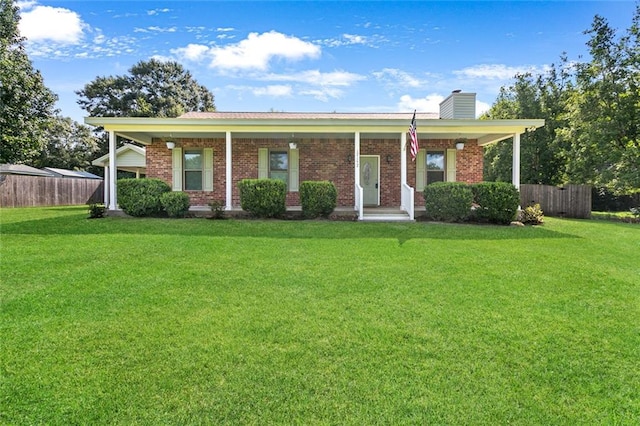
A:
(364, 154)
(23, 170)
(129, 158)
(64, 173)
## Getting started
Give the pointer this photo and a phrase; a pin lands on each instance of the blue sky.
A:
(352, 56)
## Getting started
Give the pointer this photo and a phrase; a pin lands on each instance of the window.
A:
(279, 166)
(435, 166)
(193, 164)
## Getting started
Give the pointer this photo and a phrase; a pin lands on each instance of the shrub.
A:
(176, 204)
(141, 197)
(318, 198)
(263, 197)
(217, 209)
(448, 201)
(497, 201)
(532, 215)
(96, 211)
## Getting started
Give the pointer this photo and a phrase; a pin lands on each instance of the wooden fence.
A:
(31, 191)
(565, 201)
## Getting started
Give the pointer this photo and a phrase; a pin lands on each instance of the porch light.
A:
(388, 159)
(460, 144)
(293, 145)
(349, 159)
(171, 144)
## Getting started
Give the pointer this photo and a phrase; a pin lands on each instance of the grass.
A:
(627, 216)
(160, 321)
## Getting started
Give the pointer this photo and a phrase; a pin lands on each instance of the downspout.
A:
(515, 177)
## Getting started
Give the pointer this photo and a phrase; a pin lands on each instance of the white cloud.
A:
(430, 103)
(398, 78)
(353, 39)
(495, 71)
(221, 30)
(481, 108)
(273, 90)
(156, 11)
(52, 24)
(155, 29)
(324, 93)
(192, 52)
(257, 51)
(317, 78)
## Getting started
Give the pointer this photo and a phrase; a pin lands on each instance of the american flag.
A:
(414, 138)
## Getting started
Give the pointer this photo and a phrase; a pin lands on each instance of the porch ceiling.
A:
(144, 130)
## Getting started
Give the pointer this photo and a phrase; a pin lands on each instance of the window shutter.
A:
(294, 170)
(451, 165)
(263, 163)
(421, 165)
(176, 165)
(207, 185)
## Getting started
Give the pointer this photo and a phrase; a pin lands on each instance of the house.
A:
(23, 170)
(129, 158)
(366, 156)
(64, 173)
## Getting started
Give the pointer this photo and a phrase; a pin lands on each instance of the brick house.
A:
(366, 155)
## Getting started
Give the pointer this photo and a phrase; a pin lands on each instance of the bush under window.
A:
(176, 204)
(141, 197)
(318, 198)
(448, 201)
(497, 201)
(263, 197)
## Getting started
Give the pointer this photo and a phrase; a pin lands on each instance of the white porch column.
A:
(515, 179)
(113, 167)
(356, 157)
(229, 174)
(106, 186)
(403, 158)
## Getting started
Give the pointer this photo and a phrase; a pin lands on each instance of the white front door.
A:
(370, 179)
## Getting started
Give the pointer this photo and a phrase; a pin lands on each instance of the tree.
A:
(70, 145)
(604, 135)
(153, 89)
(26, 104)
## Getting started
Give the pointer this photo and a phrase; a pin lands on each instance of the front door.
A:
(370, 179)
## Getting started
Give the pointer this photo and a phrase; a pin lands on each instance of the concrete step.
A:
(386, 217)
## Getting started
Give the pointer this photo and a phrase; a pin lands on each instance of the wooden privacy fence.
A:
(32, 191)
(566, 201)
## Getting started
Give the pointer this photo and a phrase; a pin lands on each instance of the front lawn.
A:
(194, 321)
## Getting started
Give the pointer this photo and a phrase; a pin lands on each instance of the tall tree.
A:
(153, 89)
(604, 135)
(70, 145)
(26, 104)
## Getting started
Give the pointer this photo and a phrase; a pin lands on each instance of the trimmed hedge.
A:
(448, 201)
(318, 198)
(497, 201)
(141, 197)
(263, 197)
(176, 204)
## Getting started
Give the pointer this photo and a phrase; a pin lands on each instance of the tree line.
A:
(591, 110)
(592, 113)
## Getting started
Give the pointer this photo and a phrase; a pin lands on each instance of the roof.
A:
(71, 173)
(229, 115)
(310, 125)
(129, 157)
(21, 169)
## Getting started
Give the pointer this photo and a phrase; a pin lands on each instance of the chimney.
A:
(458, 105)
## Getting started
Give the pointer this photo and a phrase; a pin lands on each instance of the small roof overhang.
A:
(135, 156)
(300, 125)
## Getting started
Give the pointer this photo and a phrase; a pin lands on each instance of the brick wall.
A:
(320, 159)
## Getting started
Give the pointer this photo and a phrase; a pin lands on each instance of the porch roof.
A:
(301, 124)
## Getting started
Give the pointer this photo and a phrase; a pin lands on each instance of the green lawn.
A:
(194, 321)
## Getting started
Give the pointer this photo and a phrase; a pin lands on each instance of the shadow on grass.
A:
(75, 222)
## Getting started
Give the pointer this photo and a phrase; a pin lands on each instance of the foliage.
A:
(497, 201)
(217, 209)
(316, 322)
(141, 197)
(591, 133)
(635, 211)
(152, 89)
(175, 203)
(263, 197)
(532, 215)
(605, 200)
(26, 104)
(96, 211)
(70, 145)
(318, 198)
(448, 201)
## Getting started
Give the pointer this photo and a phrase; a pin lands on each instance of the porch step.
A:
(385, 215)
